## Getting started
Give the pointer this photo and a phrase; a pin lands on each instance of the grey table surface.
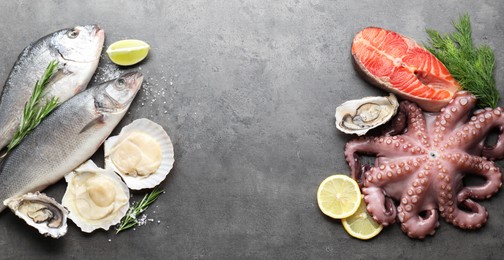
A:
(247, 91)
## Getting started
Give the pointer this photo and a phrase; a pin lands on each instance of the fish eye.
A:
(121, 83)
(73, 34)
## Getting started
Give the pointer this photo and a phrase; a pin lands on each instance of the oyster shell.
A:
(97, 198)
(361, 115)
(41, 212)
(142, 154)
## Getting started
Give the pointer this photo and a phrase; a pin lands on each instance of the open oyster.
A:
(142, 154)
(361, 115)
(40, 211)
(96, 198)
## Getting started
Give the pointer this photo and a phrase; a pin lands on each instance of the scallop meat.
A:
(142, 154)
(96, 197)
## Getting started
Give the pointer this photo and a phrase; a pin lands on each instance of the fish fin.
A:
(96, 121)
(57, 75)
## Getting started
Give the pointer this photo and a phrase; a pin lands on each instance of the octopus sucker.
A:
(496, 151)
(380, 206)
(421, 164)
(492, 175)
(471, 217)
(424, 225)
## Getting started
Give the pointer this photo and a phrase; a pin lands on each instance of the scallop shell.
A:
(80, 188)
(361, 115)
(41, 212)
(155, 131)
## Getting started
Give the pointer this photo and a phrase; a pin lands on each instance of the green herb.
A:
(472, 67)
(33, 111)
(130, 219)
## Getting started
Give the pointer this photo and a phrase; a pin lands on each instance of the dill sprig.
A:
(33, 111)
(130, 219)
(472, 67)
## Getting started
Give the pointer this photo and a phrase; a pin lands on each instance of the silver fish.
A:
(77, 50)
(70, 135)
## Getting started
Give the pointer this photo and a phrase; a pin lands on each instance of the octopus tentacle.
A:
(476, 130)
(415, 192)
(445, 190)
(414, 202)
(397, 123)
(486, 169)
(388, 146)
(381, 207)
(476, 218)
(416, 122)
(492, 152)
(446, 127)
(405, 119)
(352, 149)
(496, 151)
(390, 171)
(383, 146)
(473, 216)
(455, 114)
(419, 227)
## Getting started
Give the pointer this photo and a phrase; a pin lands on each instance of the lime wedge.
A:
(128, 52)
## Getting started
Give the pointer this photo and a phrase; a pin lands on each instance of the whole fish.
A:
(77, 50)
(70, 135)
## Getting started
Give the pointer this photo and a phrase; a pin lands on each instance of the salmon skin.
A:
(399, 65)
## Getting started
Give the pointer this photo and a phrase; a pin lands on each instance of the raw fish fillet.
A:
(399, 65)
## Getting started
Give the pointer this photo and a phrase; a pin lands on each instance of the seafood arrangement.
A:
(423, 167)
(432, 139)
(88, 119)
(61, 144)
(431, 144)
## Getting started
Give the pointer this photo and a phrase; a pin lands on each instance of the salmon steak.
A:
(400, 65)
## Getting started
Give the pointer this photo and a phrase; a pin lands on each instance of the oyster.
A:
(361, 115)
(142, 154)
(96, 198)
(40, 211)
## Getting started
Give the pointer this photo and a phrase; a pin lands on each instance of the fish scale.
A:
(70, 135)
(78, 59)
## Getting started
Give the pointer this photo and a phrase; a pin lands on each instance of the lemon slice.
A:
(361, 225)
(338, 196)
(128, 52)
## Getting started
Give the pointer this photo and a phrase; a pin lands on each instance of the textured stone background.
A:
(247, 91)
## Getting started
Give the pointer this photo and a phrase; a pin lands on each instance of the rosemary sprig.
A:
(130, 219)
(472, 67)
(33, 112)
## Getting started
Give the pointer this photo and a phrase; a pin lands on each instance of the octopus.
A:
(419, 170)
